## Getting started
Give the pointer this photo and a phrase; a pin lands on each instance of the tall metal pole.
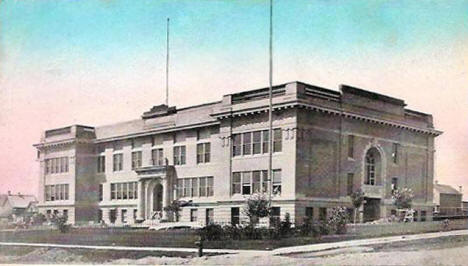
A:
(270, 111)
(167, 63)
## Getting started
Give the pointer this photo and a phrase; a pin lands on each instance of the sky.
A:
(100, 62)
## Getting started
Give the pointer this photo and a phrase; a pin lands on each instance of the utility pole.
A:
(270, 111)
(167, 63)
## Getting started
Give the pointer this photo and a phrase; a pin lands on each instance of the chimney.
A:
(460, 188)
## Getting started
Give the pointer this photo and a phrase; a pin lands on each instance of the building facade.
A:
(326, 144)
(447, 201)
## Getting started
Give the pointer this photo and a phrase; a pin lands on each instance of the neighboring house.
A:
(465, 207)
(16, 205)
(447, 200)
(326, 144)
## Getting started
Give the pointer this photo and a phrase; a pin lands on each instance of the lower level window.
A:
(209, 216)
(323, 214)
(112, 216)
(193, 215)
(276, 214)
(423, 216)
(235, 216)
(309, 212)
(124, 216)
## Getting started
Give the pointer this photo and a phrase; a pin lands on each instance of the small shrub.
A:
(285, 226)
(38, 219)
(232, 232)
(309, 228)
(212, 232)
(338, 220)
(61, 223)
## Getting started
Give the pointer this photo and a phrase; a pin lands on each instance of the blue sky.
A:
(98, 62)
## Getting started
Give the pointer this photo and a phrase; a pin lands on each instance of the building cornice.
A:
(61, 143)
(326, 110)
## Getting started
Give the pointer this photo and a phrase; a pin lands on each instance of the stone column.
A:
(165, 194)
(141, 200)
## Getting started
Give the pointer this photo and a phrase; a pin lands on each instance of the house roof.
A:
(446, 189)
(17, 200)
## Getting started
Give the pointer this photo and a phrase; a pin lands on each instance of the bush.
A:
(38, 219)
(285, 226)
(61, 223)
(232, 232)
(338, 220)
(309, 228)
(212, 232)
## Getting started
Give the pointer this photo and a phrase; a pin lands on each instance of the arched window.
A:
(370, 169)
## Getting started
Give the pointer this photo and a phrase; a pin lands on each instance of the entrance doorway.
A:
(371, 209)
(157, 197)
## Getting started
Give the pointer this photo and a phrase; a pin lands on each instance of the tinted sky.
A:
(100, 62)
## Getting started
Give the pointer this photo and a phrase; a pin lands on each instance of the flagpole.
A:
(167, 63)
(270, 110)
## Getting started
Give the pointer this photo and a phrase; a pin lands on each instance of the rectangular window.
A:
(119, 191)
(130, 190)
(118, 162)
(47, 193)
(203, 187)
(52, 193)
(56, 165)
(157, 157)
(124, 190)
(236, 144)
(265, 183)
(265, 141)
(309, 212)
(194, 187)
(257, 142)
(203, 152)
(101, 164)
(247, 143)
(135, 213)
(276, 214)
(350, 146)
(256, 181)
(277, 140)
(179, 155)
(136, 159)
(323, 214)
(235, 216)
(100, 192)
(113, 192)
(193, 215)
(112, 215)
(236, 183)
(423, 216)
(246, 183)
(209, 216)
(124, 216)
(350, 184)
(209, 186)
(66, 192)
(187, 187)
(180, 188)
(135, 190)
(395, 152)
(277, 182)
(415, 216)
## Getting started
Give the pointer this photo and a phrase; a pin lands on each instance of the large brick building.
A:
(212, 156)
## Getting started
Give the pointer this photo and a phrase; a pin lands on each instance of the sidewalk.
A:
(279, 251)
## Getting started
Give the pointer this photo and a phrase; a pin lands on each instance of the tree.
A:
(174, 207)
(403, 198)
(357, 198)
(257, 206)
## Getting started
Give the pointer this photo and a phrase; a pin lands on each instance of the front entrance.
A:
(157, 198)
(371, 210)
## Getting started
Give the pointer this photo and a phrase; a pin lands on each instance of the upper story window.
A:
(157, 157)
(179, 155)
(203, 152)
(118, 162)
(370, 169)
(256, 142)
(136, 159)
(350, 146)
(195, 187)
(101, 192)
(126, 190)
(101, 164)
(395, 152)
(56, 192)
(250, 182)
(56, 165)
